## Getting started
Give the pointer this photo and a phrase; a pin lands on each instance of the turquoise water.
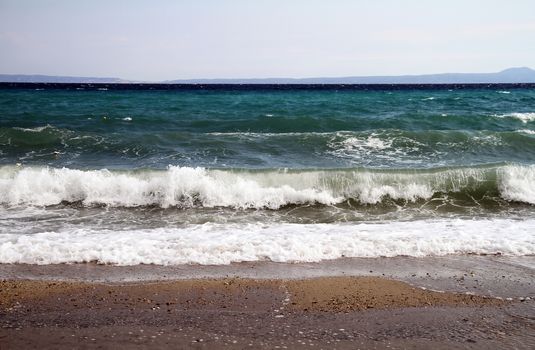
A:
(267, 129)
(193, 176)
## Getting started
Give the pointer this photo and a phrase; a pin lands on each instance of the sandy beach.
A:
(368, 303)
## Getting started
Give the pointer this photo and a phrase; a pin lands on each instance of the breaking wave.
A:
(523, 117)
(186, 187)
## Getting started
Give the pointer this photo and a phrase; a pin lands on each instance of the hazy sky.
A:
(159, 39)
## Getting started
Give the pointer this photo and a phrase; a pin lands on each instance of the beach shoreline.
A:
(480, 301)
(491, 275)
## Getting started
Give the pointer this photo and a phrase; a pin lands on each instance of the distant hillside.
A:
(20, 78)
(511, 75)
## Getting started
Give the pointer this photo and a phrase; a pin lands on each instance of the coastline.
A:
(491, 275)
(480, 301)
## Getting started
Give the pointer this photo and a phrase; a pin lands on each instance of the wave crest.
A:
(186, 187)
(523, 117)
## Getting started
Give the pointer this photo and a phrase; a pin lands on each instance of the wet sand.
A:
(306, 306)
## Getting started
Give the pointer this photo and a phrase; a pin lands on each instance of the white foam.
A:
(225, 243)
(196, 187)
(370, 142)
(487, 140)
(527, 131)
(36, 129)
(375, 149)
(523, 117)
(517, 183)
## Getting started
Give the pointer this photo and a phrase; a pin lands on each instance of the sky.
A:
(183, 39)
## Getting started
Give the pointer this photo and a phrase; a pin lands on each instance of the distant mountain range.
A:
(511, 75)
(22, 78)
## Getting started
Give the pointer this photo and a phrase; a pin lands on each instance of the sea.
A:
(220, 174)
